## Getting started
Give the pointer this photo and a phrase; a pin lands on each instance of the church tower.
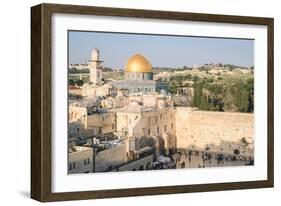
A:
(95, 67)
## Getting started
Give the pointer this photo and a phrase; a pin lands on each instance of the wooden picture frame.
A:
(41, 95)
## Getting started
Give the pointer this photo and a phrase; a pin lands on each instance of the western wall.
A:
(199, 129)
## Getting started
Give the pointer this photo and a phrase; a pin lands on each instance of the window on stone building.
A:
(165, 128)
(172, 126)
(78, 129)
(70, 167)
(85, 162)
(74, 165)
(148, 131)
(158, 130)
(113, 126)
(161, 116)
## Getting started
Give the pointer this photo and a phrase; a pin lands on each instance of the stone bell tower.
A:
(95, 67)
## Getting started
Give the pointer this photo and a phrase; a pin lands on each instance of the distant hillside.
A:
(169, 69)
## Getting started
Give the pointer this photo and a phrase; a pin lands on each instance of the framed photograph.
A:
(128, 102)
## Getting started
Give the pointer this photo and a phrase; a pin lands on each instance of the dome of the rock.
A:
(138, 63)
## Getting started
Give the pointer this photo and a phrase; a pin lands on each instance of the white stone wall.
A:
(200, 128)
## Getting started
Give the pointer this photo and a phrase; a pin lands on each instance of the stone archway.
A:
(157, 145)
(141, 167)
(148, 166)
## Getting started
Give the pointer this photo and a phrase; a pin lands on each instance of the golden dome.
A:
(138, 63)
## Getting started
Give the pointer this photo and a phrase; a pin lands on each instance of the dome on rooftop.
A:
(138, 63)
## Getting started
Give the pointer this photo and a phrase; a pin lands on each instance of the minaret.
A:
(95, 67)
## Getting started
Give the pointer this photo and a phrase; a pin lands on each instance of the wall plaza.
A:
(135, 124)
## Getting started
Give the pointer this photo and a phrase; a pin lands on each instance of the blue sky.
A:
(165, 51)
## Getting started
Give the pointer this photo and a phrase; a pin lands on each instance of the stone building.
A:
(144, 163)
(114, 102)
(135, 121)
(111, 158)
(87, 120)
(118, 159)
(153, 100)
(90, 90)
(80, 160)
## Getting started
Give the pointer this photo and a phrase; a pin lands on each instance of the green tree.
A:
(250, 89)
(195, 78)
(197, 95)
(80, 82)
(71, 82)
(241, 97)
